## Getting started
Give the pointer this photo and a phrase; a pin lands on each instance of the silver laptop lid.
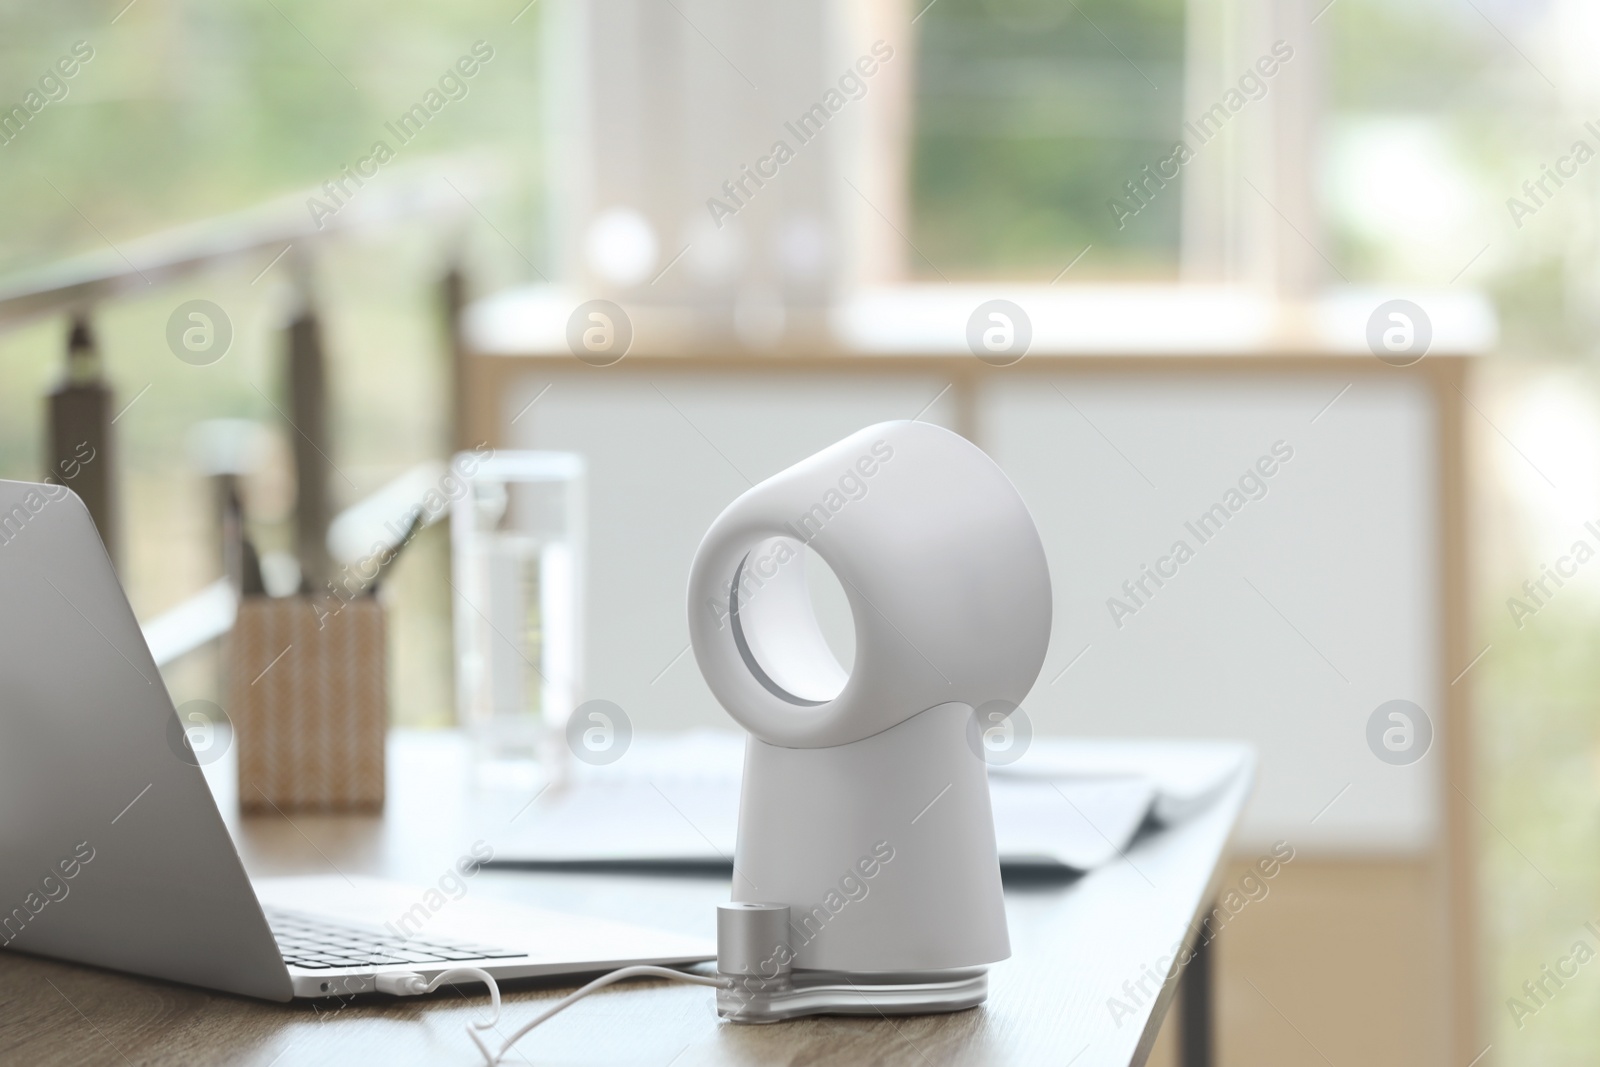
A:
(112, 851)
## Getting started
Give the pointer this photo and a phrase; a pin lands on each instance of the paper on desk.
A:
(1186, 775)
(1066, 804)
(1060, 822)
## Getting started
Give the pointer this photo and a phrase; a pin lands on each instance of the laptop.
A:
(113, 852)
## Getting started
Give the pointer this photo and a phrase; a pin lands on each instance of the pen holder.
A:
(308, 696)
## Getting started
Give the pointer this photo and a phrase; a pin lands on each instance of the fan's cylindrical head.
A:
(938, 557)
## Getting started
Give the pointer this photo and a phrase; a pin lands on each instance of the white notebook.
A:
(1066, 805)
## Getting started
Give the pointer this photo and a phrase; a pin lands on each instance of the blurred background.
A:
(1188, 310)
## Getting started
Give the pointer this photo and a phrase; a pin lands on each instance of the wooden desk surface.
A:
(1074, 946)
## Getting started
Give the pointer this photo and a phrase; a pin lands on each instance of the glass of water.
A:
(517, 562)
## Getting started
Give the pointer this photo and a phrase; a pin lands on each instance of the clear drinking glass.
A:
(517, 559)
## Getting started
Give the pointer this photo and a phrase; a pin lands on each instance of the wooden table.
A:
(1075, 945)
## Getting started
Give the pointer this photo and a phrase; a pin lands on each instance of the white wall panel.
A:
(1312, 606)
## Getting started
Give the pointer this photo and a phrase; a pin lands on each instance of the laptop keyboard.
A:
(316, 943)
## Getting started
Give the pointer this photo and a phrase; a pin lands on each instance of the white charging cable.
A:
(411, 984)
(752, 956)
